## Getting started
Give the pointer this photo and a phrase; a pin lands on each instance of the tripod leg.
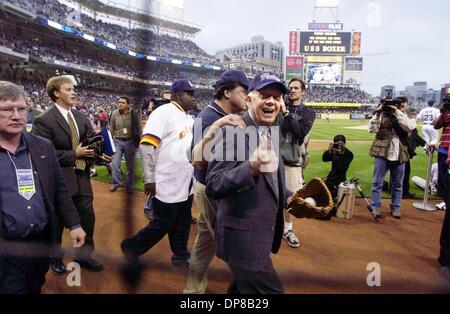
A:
(369, 207)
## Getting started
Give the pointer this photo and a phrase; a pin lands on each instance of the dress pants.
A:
(265, 281)
(26, 275)
(83, 201)
(204, 248)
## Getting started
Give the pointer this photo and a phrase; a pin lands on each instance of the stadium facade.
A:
(257, 51)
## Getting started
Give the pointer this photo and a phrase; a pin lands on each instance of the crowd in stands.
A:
(154, 72)
(339, 94)
(139, 40)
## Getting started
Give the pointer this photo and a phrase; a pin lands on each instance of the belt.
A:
(292, 164)
(123, 139)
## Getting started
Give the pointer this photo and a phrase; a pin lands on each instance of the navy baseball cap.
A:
(263, 80)
(233, 76)
(181, 85)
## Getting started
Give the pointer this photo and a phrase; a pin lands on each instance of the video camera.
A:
(389, 101)
(159, 102)
(446, 102)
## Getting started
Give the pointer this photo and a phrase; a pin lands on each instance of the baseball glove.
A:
(316, 189)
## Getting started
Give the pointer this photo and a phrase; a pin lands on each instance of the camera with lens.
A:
(159, 102)
(338, 149)
(389, 101)
(446, 102)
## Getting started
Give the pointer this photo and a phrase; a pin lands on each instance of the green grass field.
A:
(362, 165)
(358, 141)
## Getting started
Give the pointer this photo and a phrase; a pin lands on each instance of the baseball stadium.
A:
(129, 53)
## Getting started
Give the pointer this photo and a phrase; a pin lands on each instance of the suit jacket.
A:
(53, 126)
(57, 199)
(249, 221)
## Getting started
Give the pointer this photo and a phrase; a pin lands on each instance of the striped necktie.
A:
(80, 164)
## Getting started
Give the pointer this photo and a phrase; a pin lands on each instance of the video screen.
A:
(328, 73)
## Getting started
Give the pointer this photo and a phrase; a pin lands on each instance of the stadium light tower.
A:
(176, 5)
(331, 5)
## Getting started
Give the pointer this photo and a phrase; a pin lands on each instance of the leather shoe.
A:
(58, 267)
(90, 264)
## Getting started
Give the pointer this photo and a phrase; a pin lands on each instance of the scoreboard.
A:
(325, 43)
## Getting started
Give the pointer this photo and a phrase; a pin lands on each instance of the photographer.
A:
(340, 158)
(443, 121)
(390, 149)
(296, 122)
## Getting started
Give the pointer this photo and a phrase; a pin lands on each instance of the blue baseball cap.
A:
(181, 85)
(263, 80)
(233, 76)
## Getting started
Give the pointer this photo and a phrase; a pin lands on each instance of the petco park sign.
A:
(326, 26)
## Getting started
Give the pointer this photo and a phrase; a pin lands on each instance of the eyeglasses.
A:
(9, 112)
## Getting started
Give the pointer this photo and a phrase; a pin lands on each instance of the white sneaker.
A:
(441, 206)
(291, 239)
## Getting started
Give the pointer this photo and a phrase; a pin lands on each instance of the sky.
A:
(402, 41)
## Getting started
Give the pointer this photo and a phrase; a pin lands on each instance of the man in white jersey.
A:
(168, 176)
(428, 115)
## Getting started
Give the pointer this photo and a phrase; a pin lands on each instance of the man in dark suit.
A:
(251, 191)
(69, 131)
(32, 193)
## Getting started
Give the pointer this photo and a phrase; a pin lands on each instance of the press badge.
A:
(125, 131)
(25, 183)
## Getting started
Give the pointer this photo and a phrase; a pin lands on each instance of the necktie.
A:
(265, 134)
(79, 163)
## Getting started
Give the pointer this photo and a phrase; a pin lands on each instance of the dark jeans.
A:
(397, 170)
(173, 219)
(128, 149)
(444, 258)
(83, 202)
(442, 171)
(265, 281)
